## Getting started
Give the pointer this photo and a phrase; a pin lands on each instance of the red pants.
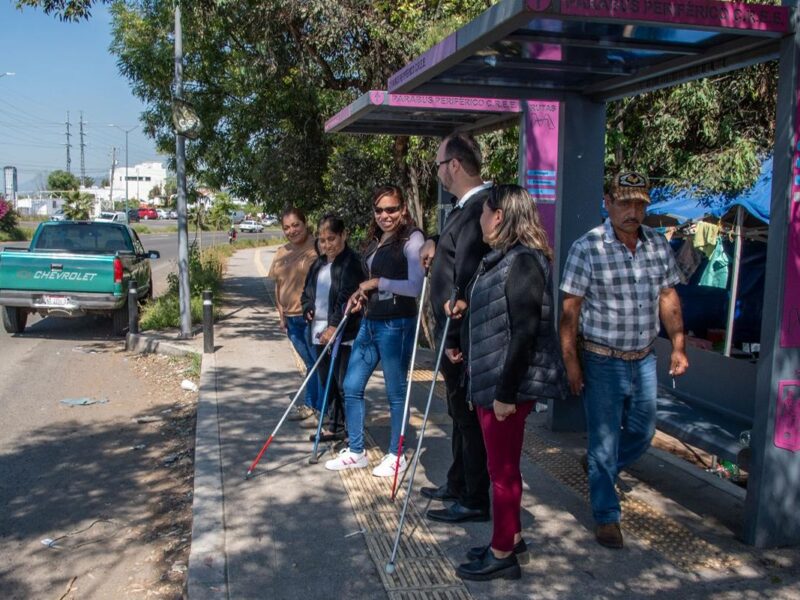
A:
(503, 441)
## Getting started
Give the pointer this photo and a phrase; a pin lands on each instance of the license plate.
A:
(56, 300)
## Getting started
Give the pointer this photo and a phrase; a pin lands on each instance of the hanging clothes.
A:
(716, 273)
(705, 237)
(688, 259)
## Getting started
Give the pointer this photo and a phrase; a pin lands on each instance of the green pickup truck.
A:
(74, 268)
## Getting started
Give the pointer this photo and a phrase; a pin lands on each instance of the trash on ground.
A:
(139, 447)
(355, 533)
(189, 386)
(179, 567)
(84, 350)
(171, 458)
(149, 419)
(50, 543)
(83, 401)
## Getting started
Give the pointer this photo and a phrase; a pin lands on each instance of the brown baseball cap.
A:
(629, 185)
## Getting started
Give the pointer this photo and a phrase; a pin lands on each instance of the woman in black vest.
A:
(331, 280)
(514, 360)
(386, 334)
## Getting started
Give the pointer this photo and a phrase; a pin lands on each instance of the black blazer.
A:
(346, 274)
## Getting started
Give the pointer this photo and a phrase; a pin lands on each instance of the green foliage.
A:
(264, 75)
(78, 207)
(710, 134)
(219, 217)
(62, 181)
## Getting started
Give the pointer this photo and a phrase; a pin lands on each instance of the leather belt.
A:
(602, 350)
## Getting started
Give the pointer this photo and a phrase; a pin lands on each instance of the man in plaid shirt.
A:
(618, 280)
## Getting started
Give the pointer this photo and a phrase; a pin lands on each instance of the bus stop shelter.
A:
(562, 61)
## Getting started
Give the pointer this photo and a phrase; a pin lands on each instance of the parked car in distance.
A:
(112, 217)
(173, 214)
(133, 215)
(58, 216)
(162, 214)
(237, 216)
(251, 226)
(269, 220)
(147, 213)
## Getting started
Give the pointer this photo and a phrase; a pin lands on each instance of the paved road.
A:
(45, 486)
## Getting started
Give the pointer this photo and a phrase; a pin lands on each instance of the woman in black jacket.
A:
(514, 359)
(331, 280)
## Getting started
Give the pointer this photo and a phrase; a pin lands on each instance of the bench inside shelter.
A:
(711, 405)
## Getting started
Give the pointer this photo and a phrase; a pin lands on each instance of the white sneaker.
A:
(348, 460)
(387, 466)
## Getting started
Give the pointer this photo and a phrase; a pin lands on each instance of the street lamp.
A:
(127, 131)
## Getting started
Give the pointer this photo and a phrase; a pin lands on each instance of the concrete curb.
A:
(143, 343)
(208, 569)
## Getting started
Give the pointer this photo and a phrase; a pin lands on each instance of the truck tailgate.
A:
(57, 272)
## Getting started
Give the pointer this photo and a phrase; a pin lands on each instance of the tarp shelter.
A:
(743, 216)
(565, 60)
(689, 204)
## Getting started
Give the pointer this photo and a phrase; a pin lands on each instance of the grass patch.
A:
(18, 234)
(188, 365)
(141, 229)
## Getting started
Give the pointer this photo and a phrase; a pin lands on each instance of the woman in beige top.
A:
(288, 271)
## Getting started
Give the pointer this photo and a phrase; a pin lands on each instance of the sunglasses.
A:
(389, 210)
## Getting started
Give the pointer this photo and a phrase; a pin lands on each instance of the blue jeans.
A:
(620, 404)
(390, 343)
(297, 330)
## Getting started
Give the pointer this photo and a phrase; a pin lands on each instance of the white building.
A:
(140, 178)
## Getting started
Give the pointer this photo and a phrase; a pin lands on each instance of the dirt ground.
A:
(168, 533)
(98, 504)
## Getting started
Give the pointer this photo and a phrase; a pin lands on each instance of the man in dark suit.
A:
(454, 256)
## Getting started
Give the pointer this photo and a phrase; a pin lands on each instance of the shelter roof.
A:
(605, 49)
(418, 114)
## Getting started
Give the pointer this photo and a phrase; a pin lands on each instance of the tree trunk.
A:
(409, 180)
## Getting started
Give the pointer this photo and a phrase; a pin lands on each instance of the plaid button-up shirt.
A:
(620, 288)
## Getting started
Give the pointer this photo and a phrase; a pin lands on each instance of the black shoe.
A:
(326, 436)
(455, 513)
(520, 550)
(490, 567)
(440, 493)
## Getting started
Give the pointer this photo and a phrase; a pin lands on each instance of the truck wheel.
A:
(119, 320)
(148, 299)
(14, 319)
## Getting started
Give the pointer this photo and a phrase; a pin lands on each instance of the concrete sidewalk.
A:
(295, 530)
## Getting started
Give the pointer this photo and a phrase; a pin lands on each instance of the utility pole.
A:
(83, 160)
(69, 160)
(111, 181)
(180, 169)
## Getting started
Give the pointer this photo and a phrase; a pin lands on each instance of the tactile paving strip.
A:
(658, 531)
(422, 570)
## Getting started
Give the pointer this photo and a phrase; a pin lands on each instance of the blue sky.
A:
(63, 67)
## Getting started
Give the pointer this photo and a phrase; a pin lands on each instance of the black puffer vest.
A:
(490, 333)
(389, 262)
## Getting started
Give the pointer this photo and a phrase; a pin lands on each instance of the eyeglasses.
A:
(439, 163)
(389, 210)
